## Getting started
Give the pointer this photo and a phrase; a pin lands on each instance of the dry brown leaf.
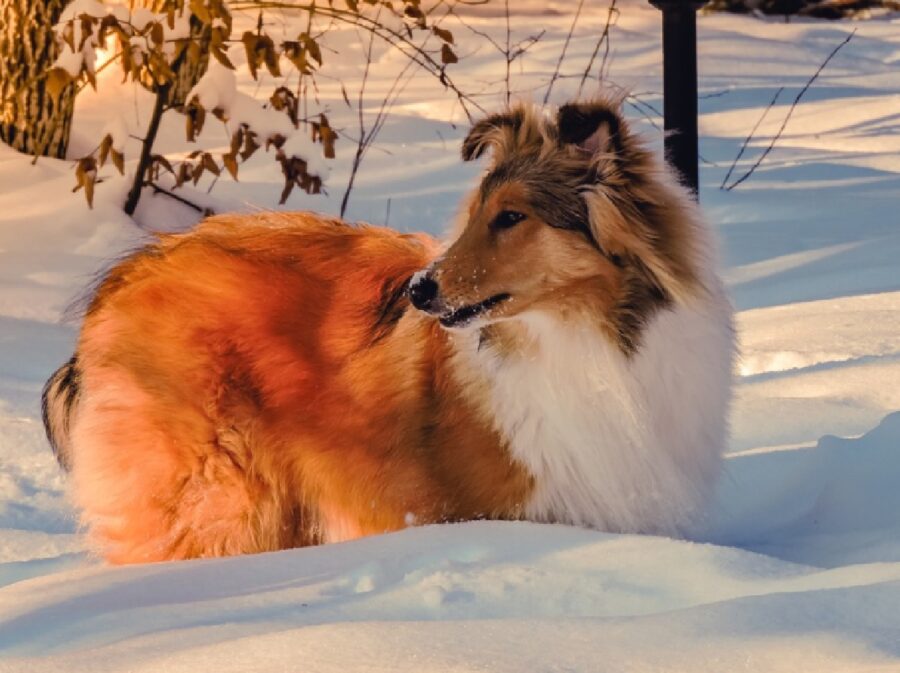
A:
(270, 57)
(443, 33)
(183, 174)
(278, 140)
(222, 57)
(249, 39)
(250, 145)
(68, 35)
(231, 164)
(413, 12)
(210, 164)
(86, 176)
(195, 116)
(105, 146)
(162, 161)
(286, 192)
(118, 160)
(326, 135)
(156, 34)
(198, 9)
(237, 139)
(87, 29)
(57, 80)
(312, 47)
(447, 55)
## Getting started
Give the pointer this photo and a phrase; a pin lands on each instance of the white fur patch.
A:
(618, 444)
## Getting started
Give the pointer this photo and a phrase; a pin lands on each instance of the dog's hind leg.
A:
(158, 482)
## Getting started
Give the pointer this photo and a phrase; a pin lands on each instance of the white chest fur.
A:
(615, 443)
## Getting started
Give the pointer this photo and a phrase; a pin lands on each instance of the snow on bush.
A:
(154, 49)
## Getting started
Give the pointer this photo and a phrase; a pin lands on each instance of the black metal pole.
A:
(680, 85)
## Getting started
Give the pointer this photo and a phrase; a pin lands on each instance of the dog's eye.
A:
(507, 219)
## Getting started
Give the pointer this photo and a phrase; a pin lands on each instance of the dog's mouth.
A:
(466, 314)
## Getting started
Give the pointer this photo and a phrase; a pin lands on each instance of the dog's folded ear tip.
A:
(591, 125)
(488, 132)
(573, 123)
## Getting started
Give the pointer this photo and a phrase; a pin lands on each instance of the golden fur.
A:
(261, 382)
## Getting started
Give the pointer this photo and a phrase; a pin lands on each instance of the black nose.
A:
(423, 292)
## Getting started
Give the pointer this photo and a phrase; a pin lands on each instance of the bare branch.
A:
(562, 53)
(360, 147)
(507, 50)
(787, 117)
(190, 204)
(393, 37)
(611, 12)
(750, 137)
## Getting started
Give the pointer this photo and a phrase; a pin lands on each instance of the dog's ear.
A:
(591, 127)
(492, 131)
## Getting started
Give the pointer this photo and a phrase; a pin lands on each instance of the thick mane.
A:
(585, 169)
(622, 433)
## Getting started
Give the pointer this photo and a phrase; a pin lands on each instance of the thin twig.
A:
(392, 36)
(507, 51)
(750, 137)
(190, 204)
(562, 53)
(367, 136)
(787, 117)
(639, 98)
(603, 70)
(357, 158)
(510, 51)
(604, 39)
(636, 104)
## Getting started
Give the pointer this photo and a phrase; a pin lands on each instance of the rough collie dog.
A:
(269, 381)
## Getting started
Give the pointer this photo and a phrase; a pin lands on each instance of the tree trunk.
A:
(30, 120)
(189, 71)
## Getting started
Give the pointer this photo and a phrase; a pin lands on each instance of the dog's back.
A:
(198, 355)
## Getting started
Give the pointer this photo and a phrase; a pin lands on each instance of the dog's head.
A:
(572, 215)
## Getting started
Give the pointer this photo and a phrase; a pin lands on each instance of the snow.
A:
(480, 596)
(70, 61)
(141, 17)
(217, 89)
(78, 8)
(797, 566)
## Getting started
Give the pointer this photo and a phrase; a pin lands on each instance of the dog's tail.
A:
(59, 402)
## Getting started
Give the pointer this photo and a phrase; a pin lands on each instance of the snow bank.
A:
(495, 596)
(832, 504)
